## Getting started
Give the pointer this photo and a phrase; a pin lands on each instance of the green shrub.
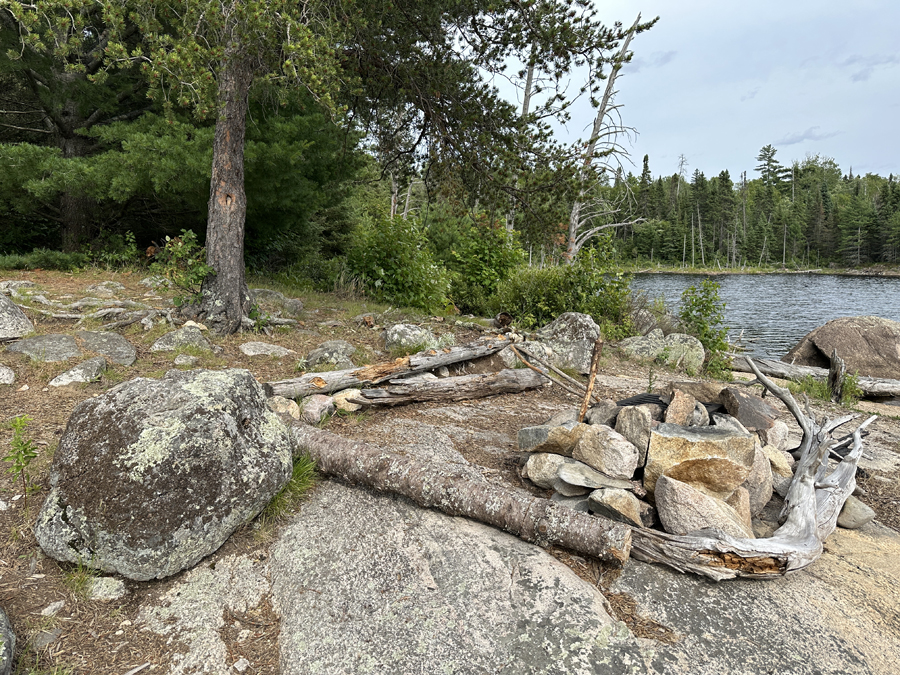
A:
(115, 251)
(701, 315)
(589, 285)
(45, 259)
(183, 262)
(478, 256)
(392, 259)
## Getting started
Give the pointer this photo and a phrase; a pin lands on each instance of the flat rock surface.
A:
(840, 616)
(398, 589)
(111, 345)
(49, 348)
(13, 322)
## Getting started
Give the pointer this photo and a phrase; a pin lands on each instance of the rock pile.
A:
(669, 460)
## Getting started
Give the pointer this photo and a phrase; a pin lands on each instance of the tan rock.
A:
(607, 451)
(777, 435)
(681, 409)
(280, 404)
(778, 460)
(717, 458)
(617, 505)
(759, 481)
(707, 392)
(342, 400)
(542, 467)
(559, 440)
(740, 502)
(684, 509)
(634, 423)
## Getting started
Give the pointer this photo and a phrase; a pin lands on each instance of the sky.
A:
(718, 80)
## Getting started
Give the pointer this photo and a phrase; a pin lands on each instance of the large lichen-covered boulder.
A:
(154, 475)
(13, 322)
(7, 644)
(571, 336)
(869, 345)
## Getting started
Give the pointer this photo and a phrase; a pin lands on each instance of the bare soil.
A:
(103, 638)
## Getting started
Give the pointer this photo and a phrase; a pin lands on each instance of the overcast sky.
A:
(716, 80)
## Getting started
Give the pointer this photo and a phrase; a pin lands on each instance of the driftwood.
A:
(459, 388)
(810, 512)
(326, 383)
(870, 386)
(836, 376)
(451, 490)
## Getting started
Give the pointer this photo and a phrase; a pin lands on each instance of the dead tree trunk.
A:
(461, 388)
(836, 375)
(448, 489)
(869, 386)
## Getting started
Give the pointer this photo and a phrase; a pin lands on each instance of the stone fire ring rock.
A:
(154, 475)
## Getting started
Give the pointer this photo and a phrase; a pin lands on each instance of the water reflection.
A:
(775, 310)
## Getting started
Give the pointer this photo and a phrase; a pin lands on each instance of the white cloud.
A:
(811, 134)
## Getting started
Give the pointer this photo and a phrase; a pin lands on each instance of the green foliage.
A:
(701, 315)
(392, 258)
(116, 251)
(183, 262)
(810, 386)
(303, 477)
(852, 391)
(22, 451)
(44, 259)
(478, 256)
(590, 285)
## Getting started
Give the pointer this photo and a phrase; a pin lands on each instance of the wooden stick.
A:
(581, 388)
(595, 360)
(545, 374)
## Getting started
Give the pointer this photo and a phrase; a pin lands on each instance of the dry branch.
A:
(458, 388)
(451, 490)
(870, 386)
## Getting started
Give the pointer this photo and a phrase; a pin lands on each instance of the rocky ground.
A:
(232, 619)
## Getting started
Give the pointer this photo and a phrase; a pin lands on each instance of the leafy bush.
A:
(183, 262)
(701, 315)
(589, 285)
(478, 256)
(45, 259)
(116, 251)
(392, 259)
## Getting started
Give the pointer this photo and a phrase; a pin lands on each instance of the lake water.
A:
(775, 311)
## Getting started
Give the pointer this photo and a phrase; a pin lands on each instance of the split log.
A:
(871, 387)
(463, 387)
(836, 376)
(326, 383)
(449, 489)
(811, 507)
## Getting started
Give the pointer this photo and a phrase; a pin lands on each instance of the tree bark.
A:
(461, 388)
(226, 298)
(836, 375)
(449, 489)
(326, 383)
(77, 213)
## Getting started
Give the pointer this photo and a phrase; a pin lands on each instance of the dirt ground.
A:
(100, 638)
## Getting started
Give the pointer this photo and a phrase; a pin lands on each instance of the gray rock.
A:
(728, 422)
(647, 346)
(568, 416)
(53, 608)
(571, 336)
(7, 375)
(607, 451)
(569, 490)
(189, 336)
(865, 343)
(49, 348)
(342, 400)
(700, 417)
(559, 440)
(7, 644)
(580, 504)
(681, 409)
(7, 287)
(542, 469)
(43, 638)
(13, 322)
(619, 505)
(406, 590)
(814, 622)
(751, 411)
(855, 514)
(684, 351)
(315, 408)
(759, 483)
(265, 349)
(634, 423)
(107, 589)
(706, 392)
(334, 353)
(573, 472)
(286, 406)
(111, 345)
(87, 371)
(186, 360)
(289, 306)
(777, 435)
(684, 509)
(604, 412)
(408, 337)
(717, 459)
(175, 466)
(154, 282)
(104, 289)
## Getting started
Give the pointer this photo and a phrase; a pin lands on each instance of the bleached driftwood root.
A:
(811, 508)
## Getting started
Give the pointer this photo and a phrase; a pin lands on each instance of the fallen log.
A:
(326, 383)
(871, 387)
(460, 388)
(449, 489)
(811, 507)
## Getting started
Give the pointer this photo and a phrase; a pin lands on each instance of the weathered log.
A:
(836, 375)
(458, 388)
(449, 489)
(811, 507)
(326, 383)
(872, 387)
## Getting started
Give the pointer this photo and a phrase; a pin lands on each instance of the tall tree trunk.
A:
(76, 211)
(225, 296)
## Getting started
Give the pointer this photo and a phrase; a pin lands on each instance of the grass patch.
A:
(79, 579)
(303, 477)
(818, 389)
